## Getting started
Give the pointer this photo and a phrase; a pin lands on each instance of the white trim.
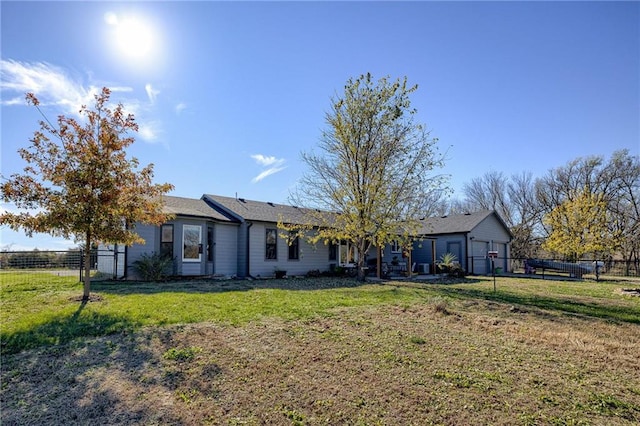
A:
(184, 229)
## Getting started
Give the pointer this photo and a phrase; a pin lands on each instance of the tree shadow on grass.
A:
(219, 286)
(63, 329)
(71, 380)
(567, 306)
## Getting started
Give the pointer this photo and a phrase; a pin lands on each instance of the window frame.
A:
(396, 247)
(190, 227)
(210, 243)
(271, 248)
(166, 240)
(333, 252)
(294, 247)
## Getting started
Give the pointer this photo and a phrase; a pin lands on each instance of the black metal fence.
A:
(598, 269)
(105, 264)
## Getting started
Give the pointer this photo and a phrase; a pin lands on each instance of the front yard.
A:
(321, 351)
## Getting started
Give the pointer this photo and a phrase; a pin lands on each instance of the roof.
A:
(180, 206)
(456, 224)
(261, 211)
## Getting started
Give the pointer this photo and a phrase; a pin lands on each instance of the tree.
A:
(579, 226)
(514, 200)
(79, 183)
(374, 168)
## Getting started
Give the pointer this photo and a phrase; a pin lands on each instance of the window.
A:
(348, 253)
(333, 252)
(294, 247)
(191, 243)
(395, 247)
(271, 246)
(210, 244)
(166, 241)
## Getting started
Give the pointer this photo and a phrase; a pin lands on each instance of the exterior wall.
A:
(422, 253)
(452, 243)
(489, 235)
(311, 257)
(226, 249)
(151, 236)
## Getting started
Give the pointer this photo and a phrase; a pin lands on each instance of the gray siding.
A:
(454, 243)
(151, 236)
(488, 235)
(311, 257)
(226, 249)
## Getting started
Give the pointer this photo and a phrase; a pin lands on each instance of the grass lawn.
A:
(319, 351)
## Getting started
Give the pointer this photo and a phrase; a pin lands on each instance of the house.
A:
(230, 236)
(469, 237)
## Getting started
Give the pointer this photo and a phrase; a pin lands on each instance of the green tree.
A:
(79, 183)
(373, 170)
(579, 226)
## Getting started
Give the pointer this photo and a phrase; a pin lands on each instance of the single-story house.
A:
(469, 237)
(230, 236)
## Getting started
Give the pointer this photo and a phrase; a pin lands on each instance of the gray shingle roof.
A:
(453, 224)
(260, 210)
(192, 207)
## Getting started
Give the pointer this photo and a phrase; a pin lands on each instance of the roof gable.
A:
(460, 223)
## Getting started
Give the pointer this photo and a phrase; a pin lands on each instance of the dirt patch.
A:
(92, 298)
(375, 365)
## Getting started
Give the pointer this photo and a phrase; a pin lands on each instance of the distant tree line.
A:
(42, 259)
(589, 207)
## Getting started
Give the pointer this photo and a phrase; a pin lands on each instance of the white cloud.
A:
(53, 86)
(50, 84)
(148, 131)
(267, 161)
(151, 93)
(266, 173)
(180, 107)
(273, 164)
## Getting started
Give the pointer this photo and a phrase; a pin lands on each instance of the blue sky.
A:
(227, 94)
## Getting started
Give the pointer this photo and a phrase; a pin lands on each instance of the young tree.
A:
(80, 184)
(579, 226)
(374, 169)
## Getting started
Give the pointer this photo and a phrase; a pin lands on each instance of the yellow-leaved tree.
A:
(579, 226)
(373, 170)
(79, 182)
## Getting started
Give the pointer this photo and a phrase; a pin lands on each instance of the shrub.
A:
(153, 267)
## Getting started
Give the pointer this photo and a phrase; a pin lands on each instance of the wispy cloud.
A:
(149, 131)
(272, 164)
(50, 84)
(180, 107)
(152, 93)
(53, 86)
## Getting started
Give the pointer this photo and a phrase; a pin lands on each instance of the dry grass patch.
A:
(440, 361)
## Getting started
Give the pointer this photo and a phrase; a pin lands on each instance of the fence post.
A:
(81, 263)
(115, 262)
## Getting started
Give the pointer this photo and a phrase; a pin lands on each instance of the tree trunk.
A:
(87, 268)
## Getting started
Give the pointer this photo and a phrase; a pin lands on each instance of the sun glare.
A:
(131, 36)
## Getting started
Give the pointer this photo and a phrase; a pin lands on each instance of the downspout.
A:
(250, 224)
